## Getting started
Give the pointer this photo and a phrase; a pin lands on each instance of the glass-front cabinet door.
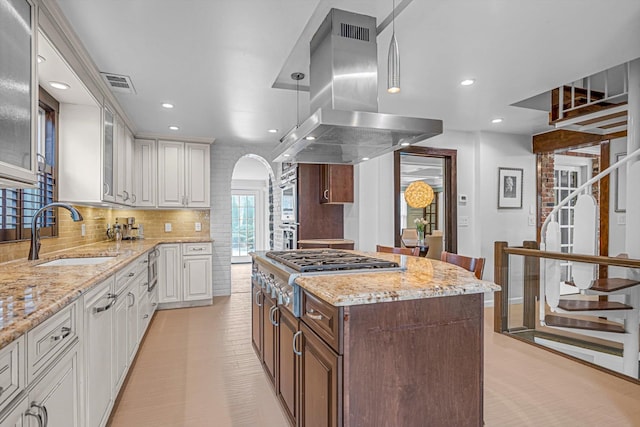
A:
(18, 95)
(108, 190)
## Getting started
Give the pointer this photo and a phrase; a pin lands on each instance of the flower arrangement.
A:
(420, 224)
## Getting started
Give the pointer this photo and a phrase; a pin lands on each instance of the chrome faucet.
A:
(35, 230)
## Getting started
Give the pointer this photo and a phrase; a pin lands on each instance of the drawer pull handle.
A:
(113, 299)
(43, 419)
(28, 413)
(295, 349)
(65, 333)
(1, 390)
(272, 315)
(131, 274)
(259, 304)
(311, 314)
(145, 316)
(196, 249)
(133, 299)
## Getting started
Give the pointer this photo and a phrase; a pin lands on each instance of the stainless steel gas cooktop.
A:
(329, 260)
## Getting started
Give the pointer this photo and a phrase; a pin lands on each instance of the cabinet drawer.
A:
(12, 379)
(323, 319)
(47, 340)
(128, 274)
(196, 249)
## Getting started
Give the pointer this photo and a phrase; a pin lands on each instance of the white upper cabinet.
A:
(170, 174)
(108, 156)
(144, 172)
(197, 175)
(79, 154)
(183, 175)
(18, 70)
(124, 165)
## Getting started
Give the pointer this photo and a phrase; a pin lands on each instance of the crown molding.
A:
(161, 137)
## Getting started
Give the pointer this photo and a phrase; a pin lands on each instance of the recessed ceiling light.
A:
(468, 82)
(364, 159)
(309, 138)
(404, 144)
(287, 155)
(41, 59)
(167, 105)
(174, 127)
(497, 120)
(272, 130)
(59, 85)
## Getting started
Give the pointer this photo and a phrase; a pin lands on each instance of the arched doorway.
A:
(251, 207)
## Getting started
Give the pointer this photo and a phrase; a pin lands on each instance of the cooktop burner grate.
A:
(329, 260)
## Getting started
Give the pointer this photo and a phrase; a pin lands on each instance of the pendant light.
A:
(393, 65)
(418, 194)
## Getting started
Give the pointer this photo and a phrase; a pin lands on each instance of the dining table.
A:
(412, 243)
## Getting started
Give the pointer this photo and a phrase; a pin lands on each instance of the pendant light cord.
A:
(297, 104)
(393, 18)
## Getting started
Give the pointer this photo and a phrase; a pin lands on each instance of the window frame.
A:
(51, 107)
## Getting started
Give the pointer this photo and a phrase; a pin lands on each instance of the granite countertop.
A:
(30, 294)
(423, 278)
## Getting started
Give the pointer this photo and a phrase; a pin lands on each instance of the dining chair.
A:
(400, 251)
(434, 241)
(474, 265)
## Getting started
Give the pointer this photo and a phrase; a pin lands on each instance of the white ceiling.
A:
(218, 60)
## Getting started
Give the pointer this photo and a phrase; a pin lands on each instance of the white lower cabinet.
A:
(169, 273)
(98, 350)
(197, 277)
(184, 274)
(56, 397)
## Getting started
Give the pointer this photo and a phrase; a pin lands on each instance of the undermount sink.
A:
(76, 261)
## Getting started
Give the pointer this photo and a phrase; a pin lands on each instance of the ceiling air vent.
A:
(354, 32)
(119, 83)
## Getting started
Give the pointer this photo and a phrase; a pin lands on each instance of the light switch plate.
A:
(198, 226)
(167, 227)
(622, 219)
(463, 221)
(532, 220)
(83, 230)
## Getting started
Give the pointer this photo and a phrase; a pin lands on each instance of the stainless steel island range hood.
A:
(345, 126)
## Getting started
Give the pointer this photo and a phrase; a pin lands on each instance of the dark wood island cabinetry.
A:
(394, 362)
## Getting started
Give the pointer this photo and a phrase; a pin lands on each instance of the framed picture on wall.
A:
(510, 188)
(621, 185)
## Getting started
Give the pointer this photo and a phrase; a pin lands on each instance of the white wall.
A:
(223, 160)
(369, 220)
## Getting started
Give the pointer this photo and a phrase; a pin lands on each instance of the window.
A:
(17, 206)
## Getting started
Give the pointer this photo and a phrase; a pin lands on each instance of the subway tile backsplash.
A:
(96, 220)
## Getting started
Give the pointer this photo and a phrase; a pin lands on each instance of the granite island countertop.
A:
(30, 294)
(421, 278)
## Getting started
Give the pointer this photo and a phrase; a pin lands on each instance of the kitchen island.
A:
(396, 348)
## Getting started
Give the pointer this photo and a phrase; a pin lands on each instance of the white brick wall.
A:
(223, 160)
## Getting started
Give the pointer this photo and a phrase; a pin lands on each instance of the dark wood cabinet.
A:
(317, 220)
(320, 382)
(287, 386)
(256, 318)
(405, 363)
(336, 184)
(269, 331)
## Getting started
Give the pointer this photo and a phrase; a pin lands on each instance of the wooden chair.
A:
(400, 251)
(474, 265)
